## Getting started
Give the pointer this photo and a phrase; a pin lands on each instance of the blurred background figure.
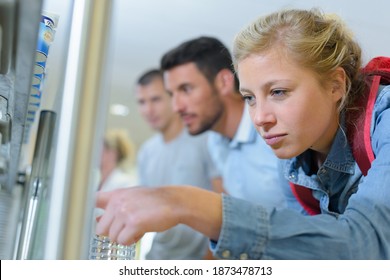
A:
(117, 160)
(117, 165)
(172, 156)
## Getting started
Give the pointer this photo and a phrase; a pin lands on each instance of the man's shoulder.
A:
(216, 139)
(151, 143)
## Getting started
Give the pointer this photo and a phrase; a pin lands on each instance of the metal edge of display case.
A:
(15, 82)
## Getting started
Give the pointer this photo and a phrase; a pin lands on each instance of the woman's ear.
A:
(338, 83)
(224, 81)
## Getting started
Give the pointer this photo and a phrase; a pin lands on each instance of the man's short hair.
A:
(209, 54)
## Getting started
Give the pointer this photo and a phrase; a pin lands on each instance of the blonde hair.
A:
(312, 39)
(119, 140)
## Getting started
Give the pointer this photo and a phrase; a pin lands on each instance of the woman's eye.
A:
(278, 92)
(249, 99)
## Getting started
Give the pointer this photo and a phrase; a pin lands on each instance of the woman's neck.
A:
(106, 171)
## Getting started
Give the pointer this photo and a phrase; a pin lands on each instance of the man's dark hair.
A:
(149, 76)
(209, 54)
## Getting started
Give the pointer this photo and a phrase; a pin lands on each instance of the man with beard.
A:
(199, 76)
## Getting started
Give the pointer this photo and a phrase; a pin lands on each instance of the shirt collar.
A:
(246, 131)
(340, 157)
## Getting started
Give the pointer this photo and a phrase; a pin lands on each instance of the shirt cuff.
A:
(244, 231)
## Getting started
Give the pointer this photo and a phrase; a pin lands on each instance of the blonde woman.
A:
(116, 161)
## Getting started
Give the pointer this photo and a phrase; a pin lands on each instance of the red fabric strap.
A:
(306, 199)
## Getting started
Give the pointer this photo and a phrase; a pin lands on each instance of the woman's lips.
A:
(272, 140)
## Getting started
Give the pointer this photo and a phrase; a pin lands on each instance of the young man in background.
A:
(171, 157)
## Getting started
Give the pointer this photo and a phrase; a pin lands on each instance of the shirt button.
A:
(291, 176)
(244, 256)
(226, 254)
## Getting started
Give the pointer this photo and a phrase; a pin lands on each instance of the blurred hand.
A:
(131, 212)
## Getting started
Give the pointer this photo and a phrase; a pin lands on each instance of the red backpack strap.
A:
(379, 66)
(305, 198)
(358, 124)
(359, 128)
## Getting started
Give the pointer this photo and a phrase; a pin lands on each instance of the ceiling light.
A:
(119, 110)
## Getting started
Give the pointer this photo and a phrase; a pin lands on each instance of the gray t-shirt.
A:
(182, 161)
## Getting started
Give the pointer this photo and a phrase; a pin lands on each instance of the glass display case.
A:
(51, 124)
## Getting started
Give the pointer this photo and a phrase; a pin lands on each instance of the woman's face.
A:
(287, 104)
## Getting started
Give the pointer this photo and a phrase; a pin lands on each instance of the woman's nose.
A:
(262, 114)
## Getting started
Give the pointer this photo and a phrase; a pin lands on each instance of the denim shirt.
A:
(355, 218)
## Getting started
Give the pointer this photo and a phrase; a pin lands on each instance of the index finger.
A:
(102, 199)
